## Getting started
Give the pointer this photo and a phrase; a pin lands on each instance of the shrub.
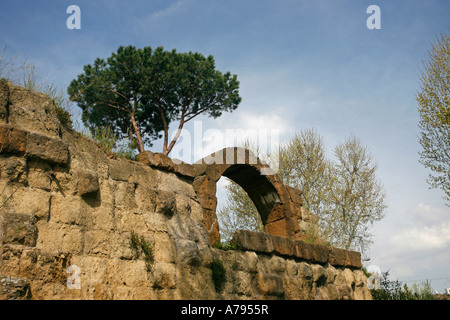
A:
(140, 245)
(395, 290)
(227, 245)
(218, 274)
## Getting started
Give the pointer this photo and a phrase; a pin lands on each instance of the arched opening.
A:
(258, 188)
(245, 199)
(235, 210)
(270, 197)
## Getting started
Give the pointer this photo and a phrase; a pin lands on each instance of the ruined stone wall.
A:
(78, 223)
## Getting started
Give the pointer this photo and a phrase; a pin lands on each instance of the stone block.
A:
(354, 258)
(165, 275)
(269, 284)
(242, 283)
(321, 293)
(98, 242)
(338, 257)
(305, 271)
(253, 241)
(159, 160)
(331, 274)
(295, 194)
(252, 261)
(146, 176)
(345, 276)
(32, 111)
(87, 182)
(18, 228)
(277, 228)
(188, 252)
(67, 209)
(204, 187)
(4, 101)
(360, 278)
(121, 170)
(164, 248)
(345, 291)
(135, 274)
(333, 292)
(294, 288)
(13, 288)
(200, 169)
(283, 246)
(185, 169)
(120, 246)
(101, 207)
(362, 293)
(166, 203)
(208, 202)
(319, 275)
(13, 169)
(277, 264)
(291, 268)
(35, 202)
(172, 182)
(320, 253)
(49, 149)
(65, 183)
(39, 179)
(60, 237)
(312, 252)
(304, 250)
(125, 196)
(155, 223)
(13, 140)
(146, 199)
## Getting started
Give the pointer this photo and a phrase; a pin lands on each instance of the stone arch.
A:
(278, 205)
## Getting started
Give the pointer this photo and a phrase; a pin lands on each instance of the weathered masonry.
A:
(78, 223)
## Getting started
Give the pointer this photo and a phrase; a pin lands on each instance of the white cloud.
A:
(427, 214)
(167, 12)
(422, 238)
(265, 121)
(203, 137)
(414, 243)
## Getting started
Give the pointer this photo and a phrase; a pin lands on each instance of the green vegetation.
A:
(227, 245)
(141, 246)
(395, 290)
(434, 111)
(25, 74)
(106, 139)
(62, 105)
(218, 274)
(142, 90)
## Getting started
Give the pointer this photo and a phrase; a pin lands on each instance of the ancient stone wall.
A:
(79, 223)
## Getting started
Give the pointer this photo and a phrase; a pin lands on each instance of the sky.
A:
(301, 64)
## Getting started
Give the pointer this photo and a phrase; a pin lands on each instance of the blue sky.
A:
(300, 64)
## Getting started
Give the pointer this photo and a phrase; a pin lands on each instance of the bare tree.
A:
(357, 197)
(344, 193)
(303, 165)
